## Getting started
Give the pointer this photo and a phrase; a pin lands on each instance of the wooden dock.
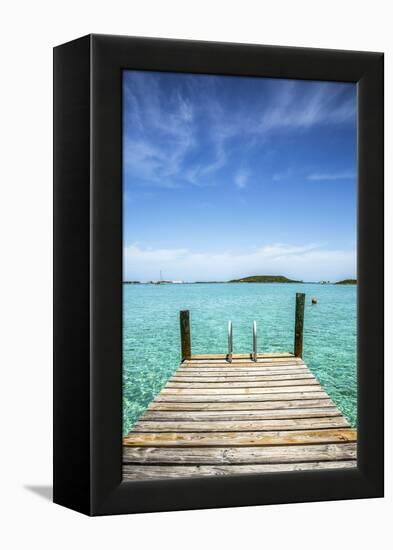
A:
(250, 413)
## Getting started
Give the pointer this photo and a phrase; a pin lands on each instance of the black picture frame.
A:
(88, 274)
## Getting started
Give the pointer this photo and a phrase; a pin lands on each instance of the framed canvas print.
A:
(218, 275)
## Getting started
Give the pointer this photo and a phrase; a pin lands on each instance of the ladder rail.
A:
(230, 342)
(254, 341)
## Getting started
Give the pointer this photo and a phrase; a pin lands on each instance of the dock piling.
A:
(185, 335)
(299, 324)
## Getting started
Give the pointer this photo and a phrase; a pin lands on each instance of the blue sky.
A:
(227, 177)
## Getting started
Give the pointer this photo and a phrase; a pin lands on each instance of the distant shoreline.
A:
(151, 283)
(260, 279)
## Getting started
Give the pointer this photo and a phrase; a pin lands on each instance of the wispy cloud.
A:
(302, 108)
(305, 262)
(158, 131)
(317, 176)
(241, 179)
(314, 176)
(184, 130)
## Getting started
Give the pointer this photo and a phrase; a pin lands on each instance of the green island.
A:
(264, 279)
(251, 279)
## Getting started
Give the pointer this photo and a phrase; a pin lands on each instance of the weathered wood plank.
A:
(270, 355)
(228, 367)
(175, 384)
(236, 378)
(213, 417)
(238, 362)
(239, 455)
(282, 405)
(244, 363)
(304, 387)
(236, 439)
(133, 472)
(233, 415)
(240, 425)
(244, 397)
(241, 372)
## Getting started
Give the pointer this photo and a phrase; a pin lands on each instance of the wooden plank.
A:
(270, 355)
(243, 365)
(244, 361)
(242, 357)
(239, 455)
(233, 415)
(176, 384)
(211, 373)
(289, 363)
(304, 387)
(134, 472)
(274, 375)
(240, 364)
(280, 405)
(240, 425)
(236, 439)
(243, 378)
(247, 369)
(244, 397)
(213, 417)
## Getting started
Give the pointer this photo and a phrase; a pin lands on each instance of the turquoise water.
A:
(151, 340)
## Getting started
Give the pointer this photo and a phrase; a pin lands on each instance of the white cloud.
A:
(308, 262)
(167, 129)
(319, 105)
(161, 137)
(332, 176)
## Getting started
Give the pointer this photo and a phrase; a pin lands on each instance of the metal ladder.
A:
(230, 342)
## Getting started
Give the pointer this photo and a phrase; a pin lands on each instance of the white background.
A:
(29, 30)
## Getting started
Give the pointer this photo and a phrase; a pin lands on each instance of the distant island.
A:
(251, 279)
(264, 279)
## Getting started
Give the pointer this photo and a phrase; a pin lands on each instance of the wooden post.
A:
(185, 335)
(299, 323)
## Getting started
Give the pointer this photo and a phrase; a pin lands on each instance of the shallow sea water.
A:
(151, 338)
